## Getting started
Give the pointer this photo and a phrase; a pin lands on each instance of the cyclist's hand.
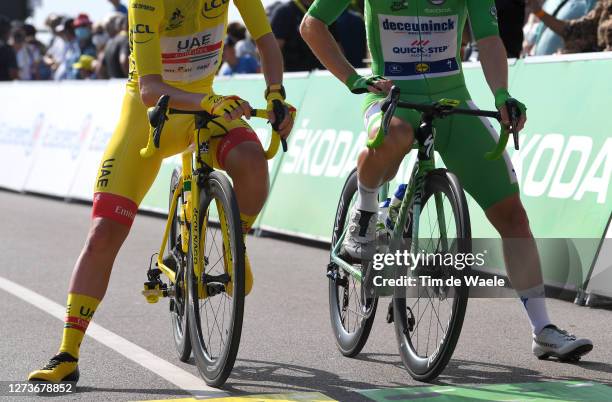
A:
(280, 113)
(501, 97)
(230, 107)
(358, 84)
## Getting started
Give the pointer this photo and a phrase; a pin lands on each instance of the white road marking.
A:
(166, 370)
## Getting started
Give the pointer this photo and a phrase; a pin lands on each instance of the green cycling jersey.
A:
(417, 43)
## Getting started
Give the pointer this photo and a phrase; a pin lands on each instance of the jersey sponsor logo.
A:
(430, 26)
(141, 29)
(214, 8)
(192, 57)
(419, 47)
(422, 68)
(176, 20)
(146, 7)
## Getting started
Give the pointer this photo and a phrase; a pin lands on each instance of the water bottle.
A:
(394, 206)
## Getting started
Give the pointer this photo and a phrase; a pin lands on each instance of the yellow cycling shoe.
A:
(248, 276)
(62, 367)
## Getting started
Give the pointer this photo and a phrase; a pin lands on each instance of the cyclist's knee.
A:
(239, 143)
(105, 236)
(400, 136)
(247, 159)
(510, 218)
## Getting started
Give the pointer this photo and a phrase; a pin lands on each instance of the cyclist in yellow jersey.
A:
(176, 50)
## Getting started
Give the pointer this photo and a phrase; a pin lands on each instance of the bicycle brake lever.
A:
(515, 116)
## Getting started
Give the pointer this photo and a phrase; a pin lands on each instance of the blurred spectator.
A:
(120, 7)
(52, 21)
(236, 31)
(543, 41)
(41, 70)
(117, 52)
(8, 60)
(84, 68)
(113, 24)
(351, 34)
(27, 56)
(511, 18)
(83, 33)
(239, 58)
(590, 33)
(285, 20)
(65, 50)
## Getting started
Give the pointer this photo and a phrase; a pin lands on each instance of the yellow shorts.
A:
(124, 177)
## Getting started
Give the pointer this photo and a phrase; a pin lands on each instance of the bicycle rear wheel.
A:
(428, 318)
(351, 312)
(215, 319)
(177, 260)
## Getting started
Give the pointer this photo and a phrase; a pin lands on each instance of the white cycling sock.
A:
(534, 301)
(367, 200)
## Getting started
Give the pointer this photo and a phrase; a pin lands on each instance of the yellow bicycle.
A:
(204, 263)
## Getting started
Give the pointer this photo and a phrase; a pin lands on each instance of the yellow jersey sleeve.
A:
(145, 19)
(254, 16)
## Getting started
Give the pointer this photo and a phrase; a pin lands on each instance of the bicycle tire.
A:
(216, 371)
(178, 303)
(350, 343)
(427, 368)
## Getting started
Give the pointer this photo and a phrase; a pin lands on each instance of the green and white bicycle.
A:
(433, 218)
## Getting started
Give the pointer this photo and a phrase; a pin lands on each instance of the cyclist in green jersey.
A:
(415, 44)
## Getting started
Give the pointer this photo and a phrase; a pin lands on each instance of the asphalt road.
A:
(287, 344)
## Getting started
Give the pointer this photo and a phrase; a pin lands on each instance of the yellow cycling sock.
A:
(79, 311)
(247, 222)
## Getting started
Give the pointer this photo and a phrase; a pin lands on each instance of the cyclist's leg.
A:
(122, 181)
(376, 166)
(464, 140)
(236, 148)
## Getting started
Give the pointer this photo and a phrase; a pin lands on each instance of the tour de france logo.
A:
(214, 8)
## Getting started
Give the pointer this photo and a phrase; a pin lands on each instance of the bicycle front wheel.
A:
(216, 296)
(176, 258)
(351, 311)
(428, 317)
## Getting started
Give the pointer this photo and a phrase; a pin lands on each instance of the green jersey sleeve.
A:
(483, 16)
(328, 11)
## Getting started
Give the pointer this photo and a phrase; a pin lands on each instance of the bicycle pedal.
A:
(153, 290)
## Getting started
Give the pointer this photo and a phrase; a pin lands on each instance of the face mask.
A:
(99, 40)
(82, 33)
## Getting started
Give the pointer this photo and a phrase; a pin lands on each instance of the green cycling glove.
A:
(358, 84)
(502, 96)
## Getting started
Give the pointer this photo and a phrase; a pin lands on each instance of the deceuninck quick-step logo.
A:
(418, 25)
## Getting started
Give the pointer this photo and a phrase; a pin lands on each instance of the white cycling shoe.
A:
(360, 240)
(555, 342)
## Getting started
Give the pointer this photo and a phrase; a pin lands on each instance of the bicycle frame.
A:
(425, 136)
(197, 164)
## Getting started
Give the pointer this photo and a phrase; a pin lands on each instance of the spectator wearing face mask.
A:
(83, 33)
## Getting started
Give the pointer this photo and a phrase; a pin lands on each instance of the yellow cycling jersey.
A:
(182, 40)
